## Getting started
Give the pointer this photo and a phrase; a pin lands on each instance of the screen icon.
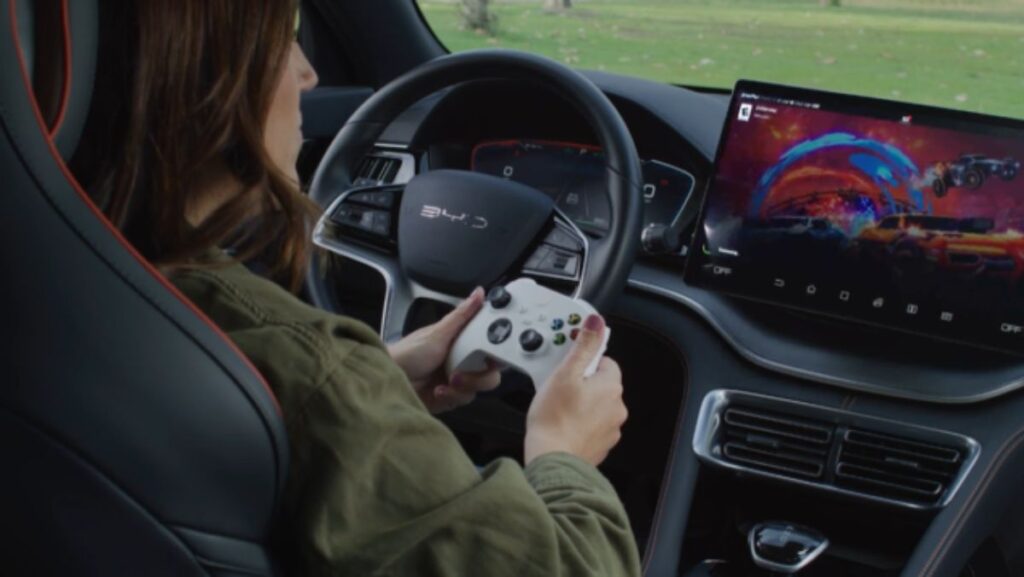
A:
(912, 309)
(844, 296)
(779, 283)
(745, 111)
(1012, 329)
(878, 303)
(812, 290)
(946, 317)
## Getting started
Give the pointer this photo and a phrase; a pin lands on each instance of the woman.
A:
(194, 147)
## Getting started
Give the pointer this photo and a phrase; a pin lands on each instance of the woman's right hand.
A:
(579, 415)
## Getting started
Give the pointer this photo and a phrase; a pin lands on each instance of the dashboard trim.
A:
(717, 400)
(812, 375)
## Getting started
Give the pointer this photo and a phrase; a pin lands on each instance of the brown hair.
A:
(181, 86)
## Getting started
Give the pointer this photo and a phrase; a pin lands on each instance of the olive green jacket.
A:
(378, 486)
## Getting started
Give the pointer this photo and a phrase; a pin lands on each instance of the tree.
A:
(557, 4)
(476, 15)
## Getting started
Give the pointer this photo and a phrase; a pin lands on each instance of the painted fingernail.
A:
(593, 323)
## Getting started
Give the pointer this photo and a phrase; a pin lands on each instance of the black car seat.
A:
(136, 440)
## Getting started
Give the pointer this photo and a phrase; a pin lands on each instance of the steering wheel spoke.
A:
(361, 225)
(561, 256)
(367, 215)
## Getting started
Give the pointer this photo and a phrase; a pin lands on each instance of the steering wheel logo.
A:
(435, 212)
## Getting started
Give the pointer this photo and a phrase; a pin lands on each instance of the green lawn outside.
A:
(955, 53)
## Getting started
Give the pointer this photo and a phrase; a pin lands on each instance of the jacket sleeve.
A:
(378, 486)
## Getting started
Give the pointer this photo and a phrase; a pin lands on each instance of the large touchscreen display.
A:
(905, 216)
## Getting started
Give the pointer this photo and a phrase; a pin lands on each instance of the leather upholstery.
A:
(136, 439)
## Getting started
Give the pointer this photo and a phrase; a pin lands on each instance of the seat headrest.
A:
(62, 66)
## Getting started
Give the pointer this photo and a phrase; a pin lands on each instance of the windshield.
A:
(964, 54)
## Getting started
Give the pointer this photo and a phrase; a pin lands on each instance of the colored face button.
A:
(559, 338)
(575, 333)
(574, 319)
(557, 324)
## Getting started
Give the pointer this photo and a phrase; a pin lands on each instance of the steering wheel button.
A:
(572, 266)
(531, 341)
(557, 324)
(384, 199)
(499, 297)
(536, 260)
(345, 214)
(367, 220)
(559, 339)
(574, 319)
(499, 331)
(562, 239)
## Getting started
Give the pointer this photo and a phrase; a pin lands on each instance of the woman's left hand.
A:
(422, 354)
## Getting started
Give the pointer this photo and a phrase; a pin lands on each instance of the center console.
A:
(785, 483)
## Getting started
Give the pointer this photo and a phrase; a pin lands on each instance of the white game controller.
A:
(525, 326)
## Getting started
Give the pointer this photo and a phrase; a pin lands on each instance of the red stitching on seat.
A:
(99, 214)
(65, 90)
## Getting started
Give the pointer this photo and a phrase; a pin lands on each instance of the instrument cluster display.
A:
(574, 176)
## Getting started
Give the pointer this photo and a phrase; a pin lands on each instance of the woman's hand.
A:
(579, 415)
(422, 355)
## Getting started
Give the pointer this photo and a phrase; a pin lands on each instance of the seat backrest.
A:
(135, 438)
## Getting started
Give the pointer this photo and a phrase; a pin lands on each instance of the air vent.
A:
(896, 468)
(834, 450)
(776, 443)
(377, 170)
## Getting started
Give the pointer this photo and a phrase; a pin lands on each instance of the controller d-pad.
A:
(531, 341)
(499, 331)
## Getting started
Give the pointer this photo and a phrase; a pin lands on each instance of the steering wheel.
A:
(445, 232)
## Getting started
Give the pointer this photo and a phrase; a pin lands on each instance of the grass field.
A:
(956, 53)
